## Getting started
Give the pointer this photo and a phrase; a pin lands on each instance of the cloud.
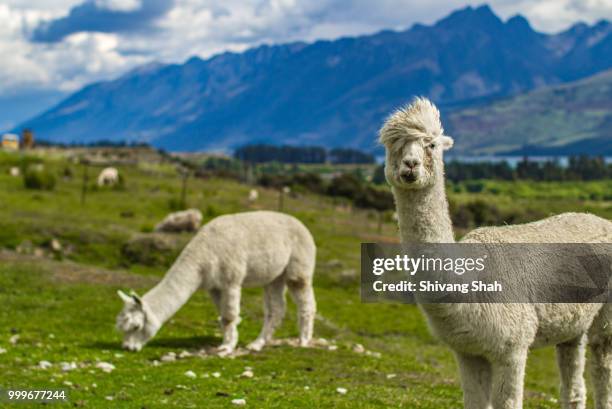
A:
(80, 41)
(104, 16)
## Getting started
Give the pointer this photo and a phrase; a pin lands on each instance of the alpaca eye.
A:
(432, 145)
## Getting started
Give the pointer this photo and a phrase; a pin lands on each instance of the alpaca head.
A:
(414, 142)
(135, 322)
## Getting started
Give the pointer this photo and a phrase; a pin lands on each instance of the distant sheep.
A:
(263, 248)
(253, 195)
(108, 177)
(186, 220)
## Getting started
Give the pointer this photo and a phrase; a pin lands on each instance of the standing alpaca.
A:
(249, 249)
(491, 341)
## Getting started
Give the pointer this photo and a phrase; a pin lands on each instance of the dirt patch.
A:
(71, 272)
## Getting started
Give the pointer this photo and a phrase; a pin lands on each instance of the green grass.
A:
(63, 310)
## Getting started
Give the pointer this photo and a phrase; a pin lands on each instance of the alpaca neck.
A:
(423, 215)
(173, 291)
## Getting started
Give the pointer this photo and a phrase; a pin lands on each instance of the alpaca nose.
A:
(411, 163)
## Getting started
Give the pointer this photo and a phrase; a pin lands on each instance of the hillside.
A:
(59, 306)
(560, 120)
(334, 93)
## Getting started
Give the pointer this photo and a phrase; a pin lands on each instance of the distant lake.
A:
(512, 160)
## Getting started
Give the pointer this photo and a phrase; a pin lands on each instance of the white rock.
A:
(68, 366)
(216, 374)
(2, 351)
(332, 347)
(94, 385)
(239, 402)
(391, 376)
(105, 367)
(109, 398)
(358, 348)
(191, 374)
(306, 388)
(184, 354)
(45, 364)
(169, 357)
(117, 355)
(247, 374)
(14, 339)
(155, 362)
(15, 171)
(341, 391)
(67, 383)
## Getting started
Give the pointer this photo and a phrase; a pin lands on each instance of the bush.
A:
(38, 179)
(149, 250)
(346, 185)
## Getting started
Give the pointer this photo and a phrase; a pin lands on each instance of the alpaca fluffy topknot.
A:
(418, 120)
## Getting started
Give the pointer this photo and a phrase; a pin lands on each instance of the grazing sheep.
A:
(108, 177)
(14, 171)
(186, 220)
(491, 341)
(262, 248)
(253, 195)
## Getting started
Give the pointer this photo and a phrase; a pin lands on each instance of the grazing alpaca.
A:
(185, 220)
(108, 177)
(491, 341)
(249, 249)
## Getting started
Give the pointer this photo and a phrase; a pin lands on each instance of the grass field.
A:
(62, 306)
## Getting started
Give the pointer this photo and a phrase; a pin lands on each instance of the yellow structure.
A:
(10, 142)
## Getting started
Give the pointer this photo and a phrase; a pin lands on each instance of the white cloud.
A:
(119, 5)
(206, 27)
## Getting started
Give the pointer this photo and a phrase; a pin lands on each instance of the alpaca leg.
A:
(508, 378)
(600, 343)
(230, 318)
(475, 381)
(215, 296)
(274, 311)
(303, 295)
(570, 359)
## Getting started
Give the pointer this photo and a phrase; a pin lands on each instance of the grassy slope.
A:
(551, 116)
(77, 304)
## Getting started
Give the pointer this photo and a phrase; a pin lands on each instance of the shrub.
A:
(346, 185)
(149, 250)
(38, 179)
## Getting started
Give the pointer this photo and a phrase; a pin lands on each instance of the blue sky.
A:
(52, 47)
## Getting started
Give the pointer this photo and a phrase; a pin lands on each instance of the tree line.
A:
(262, 153)
(578, 168)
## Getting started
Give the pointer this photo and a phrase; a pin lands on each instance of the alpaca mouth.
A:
(408, 177)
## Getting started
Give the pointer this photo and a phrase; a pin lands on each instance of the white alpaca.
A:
(253, 195)
(262, 248)
(491, 341)
(186, 220)
(108, 177)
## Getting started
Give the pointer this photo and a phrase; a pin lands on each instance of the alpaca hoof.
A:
(256, 345)
(224, 350)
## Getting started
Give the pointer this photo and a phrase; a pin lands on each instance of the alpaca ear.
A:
(126, 298)
(136, 298)
(446, 142)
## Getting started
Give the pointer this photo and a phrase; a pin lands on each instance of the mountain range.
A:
(337, 93)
